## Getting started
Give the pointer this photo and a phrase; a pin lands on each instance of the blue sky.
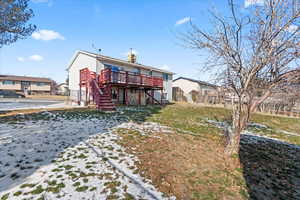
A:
(147, 26)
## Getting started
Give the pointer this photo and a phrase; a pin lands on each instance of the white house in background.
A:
(62, 89)
(187, 86)
(26, 84)
(96, 62)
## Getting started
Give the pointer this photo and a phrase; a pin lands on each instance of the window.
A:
(25, 83)
(8, 82)
(113, 67)
(41, 84)
(137, 71)
(165, 77)
(107, 66)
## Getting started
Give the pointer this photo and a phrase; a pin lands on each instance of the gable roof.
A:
(62, 84)
(25, 78)
(196, 81)
(122, 62)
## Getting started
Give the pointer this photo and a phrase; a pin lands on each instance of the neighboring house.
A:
(25, 84)
(191, 90)
(122, 74)
(62, 89)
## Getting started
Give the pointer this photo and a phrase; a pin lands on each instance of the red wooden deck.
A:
(99, 86)
(125, 78)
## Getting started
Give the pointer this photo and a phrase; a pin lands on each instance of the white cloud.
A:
(39, 1)
(292, 28)
(21, 59)
(253, 2)
(183, 21)
(47, 35)
(165, 67)
(49, 2)
(36, 57)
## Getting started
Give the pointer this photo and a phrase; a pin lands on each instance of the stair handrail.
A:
(97, 86)
(153, 98)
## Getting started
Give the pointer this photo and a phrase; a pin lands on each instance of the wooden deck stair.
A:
(102, 97)
(105, 103)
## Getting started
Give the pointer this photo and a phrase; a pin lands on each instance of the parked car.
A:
(10, 94)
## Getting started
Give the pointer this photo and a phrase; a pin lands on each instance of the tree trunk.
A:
(233, 142)
(239, 121)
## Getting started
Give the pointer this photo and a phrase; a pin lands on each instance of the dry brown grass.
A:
(186, 166)
(48, 97)
(29, 111)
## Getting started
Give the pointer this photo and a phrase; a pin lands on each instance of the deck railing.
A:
(128, 78)
(86, 76)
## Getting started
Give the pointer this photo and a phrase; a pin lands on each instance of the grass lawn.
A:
(183, 159)
(192, 118)
(190, 163)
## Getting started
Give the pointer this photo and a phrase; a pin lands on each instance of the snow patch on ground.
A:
(70, 158)
(255, 136)
(146, 127)
(22, 104)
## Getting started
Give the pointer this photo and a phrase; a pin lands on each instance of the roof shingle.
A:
(24, 78)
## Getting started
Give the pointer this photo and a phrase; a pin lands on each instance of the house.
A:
(128, 82)
(191, 90)
(62, 89)
(26, 84)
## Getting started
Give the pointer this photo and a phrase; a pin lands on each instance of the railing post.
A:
(141, 79)
(109, 73)
(126, 77)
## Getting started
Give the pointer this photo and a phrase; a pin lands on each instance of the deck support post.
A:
(86, 94)
(161, 97)
(79, 94)
(126, 96)
(118, 95)
(152, 94)
(139, 96)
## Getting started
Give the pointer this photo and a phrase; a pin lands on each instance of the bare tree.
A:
(14, 15)
(256, 49)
